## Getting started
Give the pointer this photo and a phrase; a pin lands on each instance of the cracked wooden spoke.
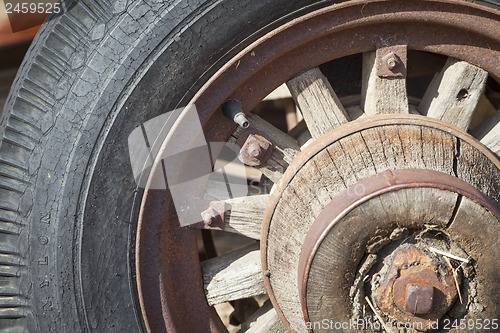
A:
(245, 215)
(454, 93)
(233, 276)
(264, 320)
(320, 106)
(381, 95)
(489, 132)
(285, 148)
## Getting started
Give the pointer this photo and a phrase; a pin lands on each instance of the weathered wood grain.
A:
(233, 276)
(479, 171)
(245, 215)
(336, 261)
(320, 106)
(489, 133)
(453, 95)
(380, 95)
(477, 232)
(337, 167)
(263, 321)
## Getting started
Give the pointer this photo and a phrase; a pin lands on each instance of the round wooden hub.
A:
(345, 203)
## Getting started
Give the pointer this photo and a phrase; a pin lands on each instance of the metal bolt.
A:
(416, 287)
(208, 216)
(391, 60)
(419, 298)
(213, 217)
(255, 150)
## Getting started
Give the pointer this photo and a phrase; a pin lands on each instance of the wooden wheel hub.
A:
(345, 205)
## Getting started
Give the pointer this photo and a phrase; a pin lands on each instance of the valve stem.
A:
(232, 109)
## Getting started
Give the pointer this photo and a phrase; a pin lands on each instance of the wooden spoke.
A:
(483, 111)
(237, 169)
(381, 95)
(300, 133)
(355, 112)
(222, 187)
(489, 132)
(246, 214)
(243, 216)
(454, 93)
(285, 148)
(320, 106)
(264, 320)
(233, 276)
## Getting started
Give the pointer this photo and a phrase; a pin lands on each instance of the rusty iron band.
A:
(376, 185)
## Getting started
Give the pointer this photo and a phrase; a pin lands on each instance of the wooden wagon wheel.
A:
(365, 207)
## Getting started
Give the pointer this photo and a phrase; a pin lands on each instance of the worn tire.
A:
(68, 201)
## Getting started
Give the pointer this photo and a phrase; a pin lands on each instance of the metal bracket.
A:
(391, 61)
(256, 147)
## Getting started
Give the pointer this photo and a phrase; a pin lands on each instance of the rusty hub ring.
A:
(167, 264)
(384, 182)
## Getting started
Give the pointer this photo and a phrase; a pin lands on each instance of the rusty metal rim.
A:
(285, 52)
(247, 78)
(376, 185)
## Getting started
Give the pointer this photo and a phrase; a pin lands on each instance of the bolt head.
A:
(391, 63)
(208, 216)
(416, 287)
(254, 150)
(419, 298)
(391, 60)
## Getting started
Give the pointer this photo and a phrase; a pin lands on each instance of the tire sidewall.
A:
(82, 205)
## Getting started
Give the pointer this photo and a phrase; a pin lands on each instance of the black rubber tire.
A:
(68, 201)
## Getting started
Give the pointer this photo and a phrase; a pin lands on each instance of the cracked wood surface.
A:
(381, 95)
(342, 164)
(246, 214)
(320, 106)
(233, 276)
(454, 93)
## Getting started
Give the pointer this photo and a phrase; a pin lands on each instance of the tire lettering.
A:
(44, 240)
(47, 305)
(45, 218)
(44, 261)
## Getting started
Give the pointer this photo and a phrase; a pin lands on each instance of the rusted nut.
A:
(209, 216)
(213, 217)
(256, 150)
(416, 288)
(419, 298)
(391, 60)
